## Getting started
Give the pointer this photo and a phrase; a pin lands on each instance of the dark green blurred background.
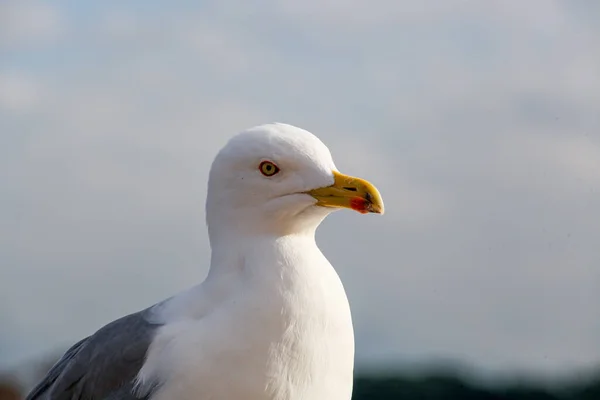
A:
(446, 385)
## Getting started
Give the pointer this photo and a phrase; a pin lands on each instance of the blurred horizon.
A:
(478, 121)
(441, 380)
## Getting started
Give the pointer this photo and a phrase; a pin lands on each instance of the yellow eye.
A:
(267, 168)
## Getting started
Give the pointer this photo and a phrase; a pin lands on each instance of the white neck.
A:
(243, 262)
(240, 253)
(295, 313)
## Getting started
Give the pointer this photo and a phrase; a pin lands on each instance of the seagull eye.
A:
(267, 168)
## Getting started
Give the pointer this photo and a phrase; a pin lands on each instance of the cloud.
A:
(31, 24)
(18, 93)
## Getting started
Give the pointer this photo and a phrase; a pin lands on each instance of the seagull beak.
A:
(349, 192)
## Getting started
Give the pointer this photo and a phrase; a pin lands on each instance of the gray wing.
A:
(102, 366)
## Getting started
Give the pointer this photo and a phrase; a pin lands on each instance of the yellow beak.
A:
(349, 192)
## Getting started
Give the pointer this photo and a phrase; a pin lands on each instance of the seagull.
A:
(271, 321)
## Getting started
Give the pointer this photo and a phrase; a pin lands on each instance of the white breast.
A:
(282, 332)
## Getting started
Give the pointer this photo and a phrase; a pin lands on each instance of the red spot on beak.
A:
(359, 204)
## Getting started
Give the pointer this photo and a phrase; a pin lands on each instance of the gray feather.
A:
(102, 366)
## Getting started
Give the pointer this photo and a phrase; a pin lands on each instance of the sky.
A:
(479, 121)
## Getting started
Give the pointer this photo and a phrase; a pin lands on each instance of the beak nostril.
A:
(352, 189)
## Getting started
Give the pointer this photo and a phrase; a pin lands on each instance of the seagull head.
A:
(278, 179)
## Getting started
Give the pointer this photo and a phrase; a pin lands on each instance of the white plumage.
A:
(271, 321)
